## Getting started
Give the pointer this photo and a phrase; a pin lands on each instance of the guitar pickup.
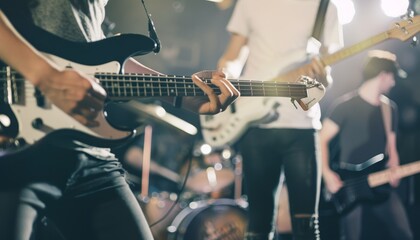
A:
(40, 99)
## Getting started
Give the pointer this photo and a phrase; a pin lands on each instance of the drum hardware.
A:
(158, 202)
(147, 149)
(201, 175)
(211, 170)
(238, 176)
(212, 219)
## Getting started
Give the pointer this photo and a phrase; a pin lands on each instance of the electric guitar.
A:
(360, 185)
(217, 133)
(25, 114)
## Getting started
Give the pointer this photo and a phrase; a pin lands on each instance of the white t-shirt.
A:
(75, 20)
(278, 32)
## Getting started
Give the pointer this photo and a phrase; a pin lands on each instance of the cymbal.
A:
(158, 113)
(139, 114)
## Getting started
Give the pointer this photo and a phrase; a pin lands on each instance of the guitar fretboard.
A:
(124, 86)
(382, 177)
(129, 86)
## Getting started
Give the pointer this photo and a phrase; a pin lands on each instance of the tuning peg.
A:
(408, 15)
(414, 41)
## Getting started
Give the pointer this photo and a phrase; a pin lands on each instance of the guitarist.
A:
(83, 190)
(358, 121)
(267, 29)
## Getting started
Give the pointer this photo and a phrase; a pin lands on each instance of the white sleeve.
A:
(333, 30)
(238, 23)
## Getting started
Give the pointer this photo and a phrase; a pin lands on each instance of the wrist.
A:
(39, 72)
(326, 170)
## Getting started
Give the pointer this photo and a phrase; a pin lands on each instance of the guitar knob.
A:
(4, 121)
(19, 142)
(37, 123)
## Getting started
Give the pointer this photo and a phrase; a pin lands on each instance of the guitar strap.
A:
(314, 41)
(386, 115)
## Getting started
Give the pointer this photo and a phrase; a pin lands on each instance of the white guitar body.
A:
(28, 115)
(36, 121)
(227, 127)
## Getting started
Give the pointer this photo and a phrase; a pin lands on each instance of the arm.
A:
(233, 50)
(319, 71)
(74, 93)
(394, 160)
(331, 178)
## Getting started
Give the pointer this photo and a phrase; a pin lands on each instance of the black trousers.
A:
(265, 152)
(86, 197)
(390, 213)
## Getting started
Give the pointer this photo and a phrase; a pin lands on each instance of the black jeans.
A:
(265, 152)
(86, 197)
(390, 212)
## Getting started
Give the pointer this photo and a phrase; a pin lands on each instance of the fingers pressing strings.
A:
(228, 92)
(213, 105)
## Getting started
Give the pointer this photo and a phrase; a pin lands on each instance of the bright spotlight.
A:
(205, 149)
(394, 8)
(346, 10)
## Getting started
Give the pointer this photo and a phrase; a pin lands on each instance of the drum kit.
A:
(185, 189)
(202, 200)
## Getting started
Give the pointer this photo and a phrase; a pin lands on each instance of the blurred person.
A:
(274, 43)
(365, 145)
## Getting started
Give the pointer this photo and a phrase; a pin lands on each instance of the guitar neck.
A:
(382, 177)
(128, 86)
(354, 49)
(330, 59)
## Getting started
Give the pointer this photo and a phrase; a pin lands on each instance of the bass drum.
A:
(220, 219)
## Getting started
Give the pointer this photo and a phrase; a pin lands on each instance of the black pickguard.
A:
(356, 188)
(117, 48)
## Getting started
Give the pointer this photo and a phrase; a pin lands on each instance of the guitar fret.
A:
(176, 88)
(9, 85)
(160, 88)
(172, 88)
(250, 87)
(144, 85)
(167, 86)
(114, 86)
(132, 79)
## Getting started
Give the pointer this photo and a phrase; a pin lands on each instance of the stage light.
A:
(346, 10)
(394, 8)
(205, 149)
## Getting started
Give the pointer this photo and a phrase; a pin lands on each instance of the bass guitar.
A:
(27, 115)
(363, 185)
(217, 133)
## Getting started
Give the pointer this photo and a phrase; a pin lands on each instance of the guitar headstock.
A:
(315, 92)
(405, 29)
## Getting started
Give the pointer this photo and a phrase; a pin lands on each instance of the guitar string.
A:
(146, 87)
(175, 77)
(250, 83)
